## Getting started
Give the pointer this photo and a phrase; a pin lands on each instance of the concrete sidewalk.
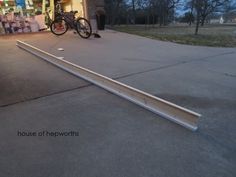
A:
(117, 138)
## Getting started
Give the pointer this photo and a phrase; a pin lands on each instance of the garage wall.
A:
(74, 5)
(92, 7)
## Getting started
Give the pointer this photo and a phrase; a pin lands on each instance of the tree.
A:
(208, 7)
(229, 10)
(134, 10)
(144, 11)
(112, 8)
(162, 10)
(198, 4)
(144, 5)
(204, 8)
(188, 18)
(190, 5)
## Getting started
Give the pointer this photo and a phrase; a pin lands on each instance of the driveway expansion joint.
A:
(175, 64)
(47, 95)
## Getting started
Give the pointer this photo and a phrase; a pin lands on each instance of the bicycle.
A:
(48, 19)
(64, 20)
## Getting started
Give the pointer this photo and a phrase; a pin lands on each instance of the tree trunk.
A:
(203, 20)
(153, 18)
(160, 20)
(134, 11)
(148, 18)
(115, 14)
(197, 24)
(191, 15)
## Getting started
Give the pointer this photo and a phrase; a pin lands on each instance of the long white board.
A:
(157, 105)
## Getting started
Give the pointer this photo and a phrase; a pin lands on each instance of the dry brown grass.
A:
(209, 35)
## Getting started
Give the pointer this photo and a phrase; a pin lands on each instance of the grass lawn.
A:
(209, 35)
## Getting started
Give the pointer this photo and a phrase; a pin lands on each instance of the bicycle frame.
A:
(62, 15)
(48, 19)
(80, 24)
(68, 20)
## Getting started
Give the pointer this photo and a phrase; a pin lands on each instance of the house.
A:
(90, 9)
(230, 17)
(87, 8)
(219, 20)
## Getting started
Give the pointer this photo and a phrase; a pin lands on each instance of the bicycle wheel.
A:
(83, 28)
(59, 27)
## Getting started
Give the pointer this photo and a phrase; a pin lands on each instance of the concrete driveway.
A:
(116, 138)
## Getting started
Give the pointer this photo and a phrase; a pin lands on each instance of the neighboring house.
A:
(219, 20)
(230, 17)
